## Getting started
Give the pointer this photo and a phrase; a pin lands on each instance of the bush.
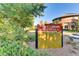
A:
(11, 41)
(31, 36)
(16, 48)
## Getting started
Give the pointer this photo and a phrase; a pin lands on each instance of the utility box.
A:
(49, 36)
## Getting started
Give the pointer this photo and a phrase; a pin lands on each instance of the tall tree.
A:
(22, 14)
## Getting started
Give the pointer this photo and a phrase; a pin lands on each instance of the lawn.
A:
(72, 30)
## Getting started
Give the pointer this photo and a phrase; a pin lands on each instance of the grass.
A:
(72, 30)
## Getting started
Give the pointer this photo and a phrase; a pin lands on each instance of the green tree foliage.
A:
(22, 14)
(77, 23)
(13, 19)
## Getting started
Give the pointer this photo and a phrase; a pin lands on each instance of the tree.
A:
(22, 14)
(45, 22)
(77, 25)
(13, 19)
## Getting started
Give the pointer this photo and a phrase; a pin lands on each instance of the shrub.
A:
(11, 41)
(31, 36)
(16, 48)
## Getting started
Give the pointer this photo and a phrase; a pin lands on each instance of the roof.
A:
(66, 15)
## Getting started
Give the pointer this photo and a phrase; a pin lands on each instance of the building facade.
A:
(68, 21)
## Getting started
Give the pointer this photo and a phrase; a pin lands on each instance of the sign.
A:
(49, 36)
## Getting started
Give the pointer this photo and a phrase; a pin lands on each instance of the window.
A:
(66, 26)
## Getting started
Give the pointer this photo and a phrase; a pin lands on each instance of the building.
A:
(69, 21)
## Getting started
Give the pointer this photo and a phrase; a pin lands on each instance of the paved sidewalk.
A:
(69, 33)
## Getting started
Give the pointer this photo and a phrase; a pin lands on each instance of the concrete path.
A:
(69, 33)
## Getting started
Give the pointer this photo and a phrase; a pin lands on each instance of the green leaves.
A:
(22, 14)
(13, 19)
(15, 48)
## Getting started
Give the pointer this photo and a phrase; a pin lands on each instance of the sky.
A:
(55, 10)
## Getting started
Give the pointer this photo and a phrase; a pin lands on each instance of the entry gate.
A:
(49, 36)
